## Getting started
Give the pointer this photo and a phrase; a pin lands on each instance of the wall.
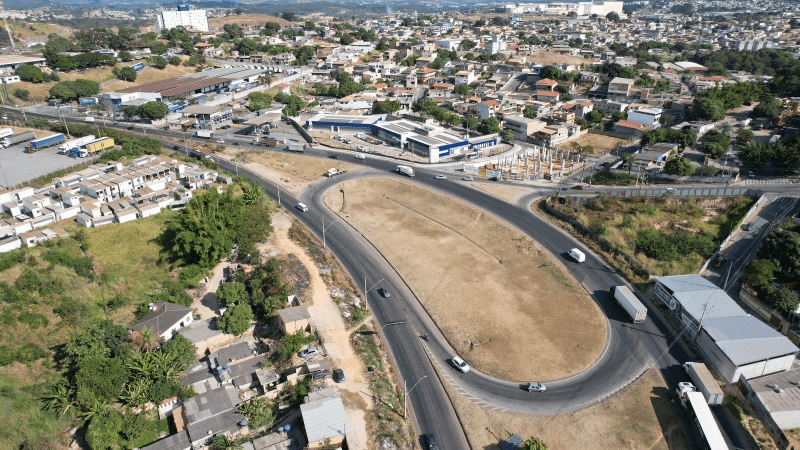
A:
(766, 313)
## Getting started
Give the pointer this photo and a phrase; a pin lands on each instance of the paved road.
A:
(631, 347)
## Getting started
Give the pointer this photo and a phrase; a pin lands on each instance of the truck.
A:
(630, 303)
(577, 255)
(333, 172)
(704, 428)
(65, 148)
(205, 134)
(95, 147)
(704, 382)
(405, 170)
(85, 101)
(6, 132)
(14, 139)
(49, 141)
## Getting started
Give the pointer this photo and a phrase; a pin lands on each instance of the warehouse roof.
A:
(695, 292)
(788, 400)
(324, 416)
(745, 339)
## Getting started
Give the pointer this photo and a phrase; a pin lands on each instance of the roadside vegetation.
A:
(772, 275)
(646, 236)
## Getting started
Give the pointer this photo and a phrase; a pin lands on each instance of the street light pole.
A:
(405, 397)
(325, 228)
(366, 291)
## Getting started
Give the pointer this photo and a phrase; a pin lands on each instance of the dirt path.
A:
(335, 337)
(206, 305)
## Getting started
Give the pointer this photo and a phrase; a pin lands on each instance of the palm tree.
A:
(253, 194)
(146, 339)
(60, 398)
(223, 443)
(628, 158)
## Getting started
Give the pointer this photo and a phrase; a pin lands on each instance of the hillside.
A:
(250, 20)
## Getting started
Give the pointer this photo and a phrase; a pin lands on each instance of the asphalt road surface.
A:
(631, 347)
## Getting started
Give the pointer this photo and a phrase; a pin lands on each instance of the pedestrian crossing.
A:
(763, 182)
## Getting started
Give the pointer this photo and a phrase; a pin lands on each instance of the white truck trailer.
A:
(405, 170)
(704, 427)
(630, 303)
(6, 132)
(205, 134)
(65, 148)
(704, 382)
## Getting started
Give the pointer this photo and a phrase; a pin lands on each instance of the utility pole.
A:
(700, 327)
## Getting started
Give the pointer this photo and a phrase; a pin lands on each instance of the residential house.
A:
(487, 108)
(211, 414)
(165, 320)
(619, 90)
(645, 116)
(294, 319)
(546, 84)
(465, 77)
(522, 126)
(324, 418)
(547, 96)
(630, 128)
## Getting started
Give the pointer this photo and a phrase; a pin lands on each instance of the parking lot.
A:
(19, 167)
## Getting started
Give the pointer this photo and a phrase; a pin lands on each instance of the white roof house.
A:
(324, 417)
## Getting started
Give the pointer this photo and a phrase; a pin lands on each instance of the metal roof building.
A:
(775, 399)
(734, 343)
(324, 417)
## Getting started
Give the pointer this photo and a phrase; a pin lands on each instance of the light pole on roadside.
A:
(366, 291)
(325, 228)
(405, 397)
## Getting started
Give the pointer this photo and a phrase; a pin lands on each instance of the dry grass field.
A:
(248, 20)
(599, 142)
(149, 76)
(491, 291)
(643, 416)
(289, 171)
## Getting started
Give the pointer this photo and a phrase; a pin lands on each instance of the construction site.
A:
(536, 163)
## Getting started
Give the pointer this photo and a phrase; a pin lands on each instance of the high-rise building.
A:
(185, 16)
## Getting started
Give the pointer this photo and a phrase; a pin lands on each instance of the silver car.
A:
(536, 387)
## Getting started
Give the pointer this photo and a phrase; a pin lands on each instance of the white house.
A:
(645, 116)
(465, 77)
(165, 320)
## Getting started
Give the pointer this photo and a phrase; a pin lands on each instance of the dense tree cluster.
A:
(294, 104)
(784, 156)
(70, 91)
(679, 166)
(777, 262)
(429, 108)
(386, 107)
(345, 87)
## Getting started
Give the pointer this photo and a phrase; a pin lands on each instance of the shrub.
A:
(82, 265)
(33, 320)
(664, 246)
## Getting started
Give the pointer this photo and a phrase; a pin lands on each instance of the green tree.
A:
(181, 350)
(291, 344)
(489, 125)
(714, 149)
(461, 89)
(30, 73)
(768, 107)
(467, 44)
(679, 166)
(229, 294)
(65, 64)
(529, 113)
(126, 74)
(253, 194)
(103, 431)
(224, 443)
(617, 116)
(595, 116)
(783, 300)
(709, 109)
(236, 320)
(480, 23)
(760, 273)
(174, 60)
(125, 56)
(258, 413)
(470, 123)
(152, 110)
(507, 135)
(386, 107)
(550, 72)
(133, 425)
(159, 62)
(102, 377)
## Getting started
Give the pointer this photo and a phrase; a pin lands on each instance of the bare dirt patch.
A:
(151, 75)
(290, 172)
(547, 58)
(600, 142)
(643, 416)
(500, 191)
(481, 282)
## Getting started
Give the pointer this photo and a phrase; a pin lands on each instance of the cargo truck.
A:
(95, 147)
(6, 132)
(704, 382)
(405, 170)
(704, 427)
(333, 172)
(14, 139)
(65, 148)
(49, 141)
(205, 134)
(630, 303)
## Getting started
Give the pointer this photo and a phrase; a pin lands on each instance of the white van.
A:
(88, 119)
(302, 207)
(577, 255)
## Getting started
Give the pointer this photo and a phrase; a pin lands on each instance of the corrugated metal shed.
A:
(746, 339)
(324, 416)
(693, 292)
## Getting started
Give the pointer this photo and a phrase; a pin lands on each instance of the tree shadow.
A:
(674, 426)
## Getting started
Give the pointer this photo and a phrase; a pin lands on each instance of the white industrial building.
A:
(183, 17)
(582, 9)
(734, 343)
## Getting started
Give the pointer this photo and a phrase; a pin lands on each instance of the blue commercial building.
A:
(425, 140)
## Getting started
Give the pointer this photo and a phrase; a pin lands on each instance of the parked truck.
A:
(6, 132)
(95, 147)
(14, 139)
(205, 134)
(49, 141)
(66, 147)
(704, 382)
(332, 172)
(405, 170)
(266, 142)
(704, 428)
(630, 303)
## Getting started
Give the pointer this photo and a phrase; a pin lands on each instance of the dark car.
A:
(333, 156)
(338, 376)
(430, 442)
(384, 293)
(235, 143)
(176, 147)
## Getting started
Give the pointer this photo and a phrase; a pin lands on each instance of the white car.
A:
(441, 177)
(302, 207)
(361, 148)
(220, 141)
(361, 157)
(467, 178)
(536, 387)
(460, 364)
